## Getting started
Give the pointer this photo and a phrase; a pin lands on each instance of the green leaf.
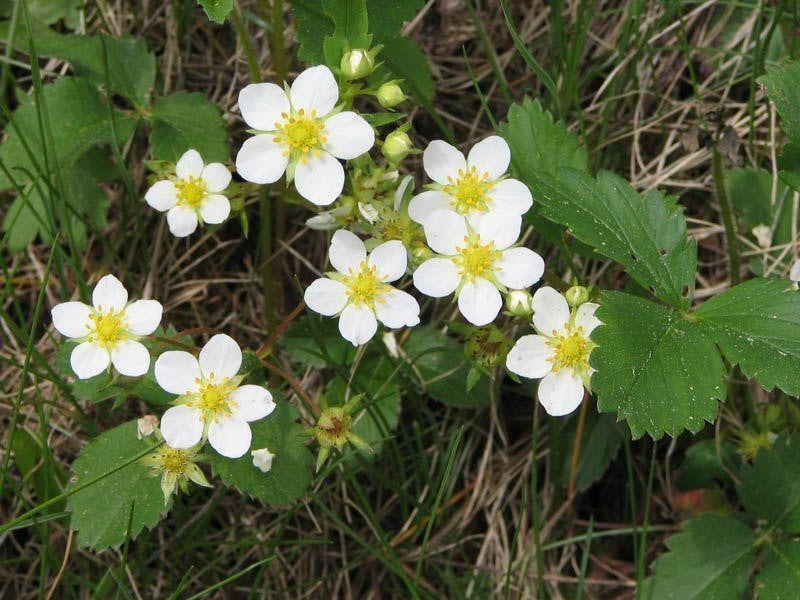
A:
(406, 61)
(655, 369)
(757, 325)
(438, 365)
(350, 29)
(710, 559)
(52, 11)
(100, 512)
(782, 84)
(645, 233)
(312, 26)
(217, 10)
(39, 469)
(301, 343)
(770, 489)
(702, 467)
(185, 120)
(386, 17)
(780, 577)
(290, 474)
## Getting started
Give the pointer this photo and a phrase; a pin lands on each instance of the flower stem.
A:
(576, 447)
(727, 216)
(247, 46)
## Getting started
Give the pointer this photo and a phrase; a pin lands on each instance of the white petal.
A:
(491, 156)
(177, 372)
(348, 135)
(550, 311)
(397, 309)
(110, 294)
(130, 358)
(230, 437)
(143, 316)
(261, 159)
(560, 393)
(253, 402)
(445, 231)
(261, 105)
(501, 227)
(315, 89)
(162, 195)
(442, 161)
(529, 357)
(437, 277)
(215, 209)
(479, 301)
(216, 176)
(189, 165)
(425, 203)
(519, 268)
(71, 319)
(182, 426)
(182, 221)
(221, 356)
(510, 194)
(319, 179)
(389, 259)
(357, 324)
(584, 317)
(794, 272)
(89, 359)
(326, 296)
(347, 252)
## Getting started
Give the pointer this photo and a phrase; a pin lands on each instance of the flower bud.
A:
(576, 295)
(262, 459)
(390, 95)
(146, 426)
(357, 64)
(519, 303)
(397, 146)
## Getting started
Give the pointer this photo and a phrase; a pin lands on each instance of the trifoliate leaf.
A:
(757, 325)
(185, 120)
(437, 363)
(710, 559)
(655, 368)
(770, 489)
(780, 576)
(101, 511)
(290, 474)
(217, 10)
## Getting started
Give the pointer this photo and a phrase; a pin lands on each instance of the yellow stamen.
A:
(213, 397)
(571, 350)
(301, 133)
(469, 191)
(364, 286)
(475, 259)
(191, 192)
(107, 328)
(173, 460)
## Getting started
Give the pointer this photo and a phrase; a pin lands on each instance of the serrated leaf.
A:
(655, 369)
(290, 474)
(780, 577)
(757, 325)
(100, 512)
(386, 17)
(185, 120)
(438, 365)
(710, 559)
(350, 29)
(770, 488)
(312, 26)
(217, 10)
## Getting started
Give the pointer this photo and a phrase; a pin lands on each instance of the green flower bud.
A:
(390, 95)
(397, 146)
(519, 303)
(357, 64)
(576, 295)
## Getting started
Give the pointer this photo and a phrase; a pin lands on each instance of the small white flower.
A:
(193, 196)
(211, 402)
(471, 187)
(108, 330)
(476, 263)
(559, 355)
(359, 291)
(301, 133)
(262, 459)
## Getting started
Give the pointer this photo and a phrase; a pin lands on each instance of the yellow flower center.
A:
(476, 259)
(213, 397)
(173, 460)
(300, 132)
(107, 328)
(364, 286)
(332, 427)
(469, 191)
(191, 192)
(571, 350)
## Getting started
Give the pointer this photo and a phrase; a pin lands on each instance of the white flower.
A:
(471, 187)
(193, 195)
(359, 291)
(211, 402)
(559, 355)
(476, 263)
(262, 459)
(301, 133)
(794, 271)
(108, 330)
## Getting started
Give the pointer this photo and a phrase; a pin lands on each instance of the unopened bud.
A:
(357, 64)
(576, 295)
(262, 459)
(397, 146)
(390, 95)
(763, 235)
(146, 426)
(519, 303)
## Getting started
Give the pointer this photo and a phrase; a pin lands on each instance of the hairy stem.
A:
(727, 217)
(576, 447)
